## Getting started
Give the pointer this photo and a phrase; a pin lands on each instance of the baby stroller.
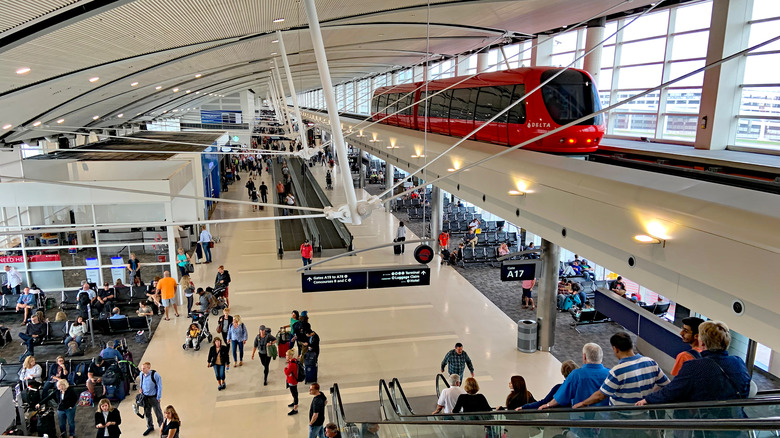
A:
(200, 321)
(219, 294)
(194, 336)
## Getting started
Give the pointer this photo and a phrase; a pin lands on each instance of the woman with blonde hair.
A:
(31, 372)
(182, 259)
(237, 336)
(107, 420)
(171, 424)
(188, 287)
(67, 399)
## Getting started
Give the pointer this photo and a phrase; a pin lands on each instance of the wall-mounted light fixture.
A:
(644, 238)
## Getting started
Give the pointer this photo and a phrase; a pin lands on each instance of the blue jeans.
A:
(219, 372)
(70, 416)
(78, 340)
(306, 261)
(316, 432)
(238, 345)
(206, 251)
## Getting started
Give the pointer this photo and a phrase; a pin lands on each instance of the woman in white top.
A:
(31, 372)
(76, 331)
(400, 235)
(205, 241)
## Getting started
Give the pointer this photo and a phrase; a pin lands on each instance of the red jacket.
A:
(291, 371)
(306, 250)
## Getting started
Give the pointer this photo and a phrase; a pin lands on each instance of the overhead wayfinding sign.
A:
(398, 276)
(519, 270)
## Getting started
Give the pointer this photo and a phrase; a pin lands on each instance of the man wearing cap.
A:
(262, 341)
(306, 252)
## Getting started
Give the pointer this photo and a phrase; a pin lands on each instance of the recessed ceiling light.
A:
(175, 110)
(120, 115)
(188, 91)
(450, 170)
(38, 123)
(60, 120)
(644, 238)
(278, 20)
(23, 70)
(175, 90)
(134, 84)
(95, 117)
(197, 92)
(515, 193)
(159, 87)
(95, 79)
(273, 53)
(9, 126)
(198, 75)
(274, 41)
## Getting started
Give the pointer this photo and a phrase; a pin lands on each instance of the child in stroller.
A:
(219, 294)
(194, 337)
(197, 332)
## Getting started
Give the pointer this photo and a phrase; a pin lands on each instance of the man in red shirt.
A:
(689, 335)
(306, 252)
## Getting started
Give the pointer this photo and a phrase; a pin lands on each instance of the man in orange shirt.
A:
(167, 289)
(689, 335)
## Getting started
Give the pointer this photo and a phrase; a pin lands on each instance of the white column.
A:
(720, 97)
(247, 99)
(283, 99)
(482, 61)
(541, 54)
(389, 180)
(461, 65)
(291, 85)
(330, 99)
(594, 35)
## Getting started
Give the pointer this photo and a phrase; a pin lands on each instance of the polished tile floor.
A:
(366, 335)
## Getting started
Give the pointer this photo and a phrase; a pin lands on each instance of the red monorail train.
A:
(458, 110)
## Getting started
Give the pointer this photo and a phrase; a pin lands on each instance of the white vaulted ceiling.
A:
(229, 43)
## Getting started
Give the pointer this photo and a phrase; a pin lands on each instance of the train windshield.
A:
(571, 96)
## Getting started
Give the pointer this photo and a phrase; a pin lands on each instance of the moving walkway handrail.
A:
(341, 229)
(440, 378)
(338, 407)
(309, 226)
(395, 385)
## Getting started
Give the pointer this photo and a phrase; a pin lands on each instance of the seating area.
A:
(123, 296)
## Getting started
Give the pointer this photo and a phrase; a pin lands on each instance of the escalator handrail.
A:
(383, 386)
(309, 226)
(704, 424)
(341, 229)
(338, 407)
(440, 377)
(395, 384)
(668, 406)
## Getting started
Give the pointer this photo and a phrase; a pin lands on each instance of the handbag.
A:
(211, 244)
(189, 267)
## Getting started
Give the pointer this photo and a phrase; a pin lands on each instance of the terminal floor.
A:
(366, 334)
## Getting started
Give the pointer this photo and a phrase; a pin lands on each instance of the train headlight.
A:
(572, 141)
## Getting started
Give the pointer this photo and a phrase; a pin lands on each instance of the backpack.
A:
(301, 376)
(113, 375)
(85, 399)
(79, 375)
(273, 351)
(140, 337)
(212, 300)
(74, 350)
(5, 336)
(568, 303)
(84, 301)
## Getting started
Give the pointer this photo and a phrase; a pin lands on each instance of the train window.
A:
(571, 96)
(517, 113)
(422, 104)
(382, 103)
(491, 101)
(374, 104)
(392, 100)
(464, 100)
(439, 104)
(406, 102)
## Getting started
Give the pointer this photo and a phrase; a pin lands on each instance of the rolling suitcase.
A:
(310, 364)
(396, 248)
(283, 338)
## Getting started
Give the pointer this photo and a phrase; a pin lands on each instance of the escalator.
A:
(754, 418)
(290, 233)
(330, 237)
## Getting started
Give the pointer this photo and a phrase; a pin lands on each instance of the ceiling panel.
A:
(15, 14)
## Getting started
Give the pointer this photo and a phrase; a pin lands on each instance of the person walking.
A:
(237, 336)
(219, 359)
(400, 235)
(263, 340)
(263, 189)
(223, 281)
(306, 252)
(188, 287)
(317, 412)
(151, 387)
(67, 399)
(457, 360)
(291, 373)
(205, 242)
(107, 420)
(182, 259)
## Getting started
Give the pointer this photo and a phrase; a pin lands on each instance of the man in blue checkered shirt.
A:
(458, 360)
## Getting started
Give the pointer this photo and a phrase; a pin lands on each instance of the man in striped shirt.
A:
(631, 379)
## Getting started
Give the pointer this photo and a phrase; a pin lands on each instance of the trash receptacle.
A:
(526, 335)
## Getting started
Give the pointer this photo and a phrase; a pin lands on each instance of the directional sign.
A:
(329, 281)
(520, 270)
(423, 254)
(399, 277)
